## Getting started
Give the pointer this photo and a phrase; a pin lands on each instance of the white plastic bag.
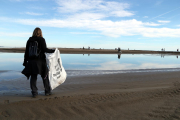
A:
(57, 74)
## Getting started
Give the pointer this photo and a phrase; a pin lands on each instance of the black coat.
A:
(36, 65)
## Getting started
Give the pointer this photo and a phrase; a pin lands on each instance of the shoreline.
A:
(90, 73)
(94, 51)
(89, 80)
(128, 96)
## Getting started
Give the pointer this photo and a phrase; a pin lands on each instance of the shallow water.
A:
(118, 62)
(13, 82)
(94, 64)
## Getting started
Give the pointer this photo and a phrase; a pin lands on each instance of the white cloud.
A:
(151, 24)
(100, 7)
(35, 7)
(105, 27)
(121, 13)
(160, 32)
(89, 15)
(159, 2)
(86, 16)
(15, 34)
(162, 21)
(32, 13)
(71, 6)
(145, 17)
(83, 32)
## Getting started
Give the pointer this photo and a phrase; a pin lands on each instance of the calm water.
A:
(94, 64)
(13, 82)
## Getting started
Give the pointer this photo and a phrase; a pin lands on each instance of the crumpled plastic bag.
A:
(57, 74)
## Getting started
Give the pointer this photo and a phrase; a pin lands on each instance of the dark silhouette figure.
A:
(37, 65)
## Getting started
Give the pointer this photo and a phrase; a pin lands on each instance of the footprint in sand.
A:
(5, 114)
(6, 101)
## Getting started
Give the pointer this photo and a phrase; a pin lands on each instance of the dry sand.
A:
(127, 96)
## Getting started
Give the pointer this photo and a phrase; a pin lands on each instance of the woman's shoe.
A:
(47, 94)
(34, 96)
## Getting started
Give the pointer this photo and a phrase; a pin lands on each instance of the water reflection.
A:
(163, 55)
(10, 75)
(13, 61)
(119, 56)
(84, 65)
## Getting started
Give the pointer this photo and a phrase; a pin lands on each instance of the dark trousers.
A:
(34, 88)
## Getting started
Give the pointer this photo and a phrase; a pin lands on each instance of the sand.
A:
(94, 51)
(126, 96)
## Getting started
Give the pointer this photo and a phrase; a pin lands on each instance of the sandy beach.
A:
(122, 96)
(112, 59)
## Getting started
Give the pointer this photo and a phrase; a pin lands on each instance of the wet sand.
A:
(127, 96)
(94, 51)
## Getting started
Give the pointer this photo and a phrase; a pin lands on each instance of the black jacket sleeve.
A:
(26, 54)
(44, 47)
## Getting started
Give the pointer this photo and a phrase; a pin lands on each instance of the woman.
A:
(37, 65)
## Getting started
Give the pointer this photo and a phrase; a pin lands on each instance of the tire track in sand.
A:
(169, 109)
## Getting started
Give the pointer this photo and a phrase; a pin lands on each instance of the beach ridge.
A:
(94, 51)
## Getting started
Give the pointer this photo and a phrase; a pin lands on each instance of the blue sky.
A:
(133, 24)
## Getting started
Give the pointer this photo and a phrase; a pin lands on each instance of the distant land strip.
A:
(94, 51)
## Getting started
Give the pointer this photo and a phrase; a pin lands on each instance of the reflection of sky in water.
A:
(112, 62)
(10, 75)
(13, 62)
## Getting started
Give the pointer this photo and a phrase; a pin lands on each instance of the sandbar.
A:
(94, 51)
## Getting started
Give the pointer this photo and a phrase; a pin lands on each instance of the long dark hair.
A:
(37, 32)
